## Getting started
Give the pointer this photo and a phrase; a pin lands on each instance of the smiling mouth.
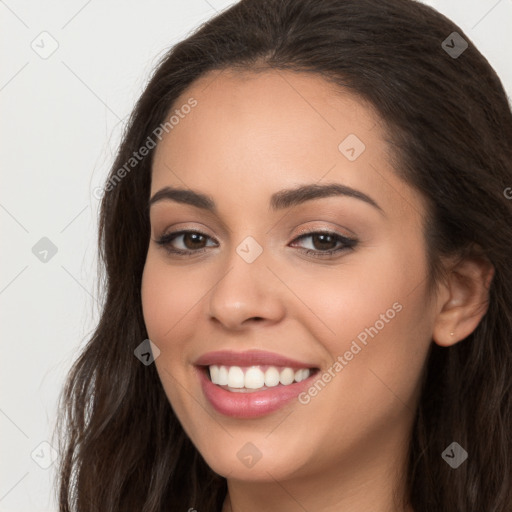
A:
(250, 379)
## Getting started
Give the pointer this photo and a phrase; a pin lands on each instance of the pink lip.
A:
(253, 404)
(249, 358)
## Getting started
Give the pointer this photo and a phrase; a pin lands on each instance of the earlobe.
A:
(465, 300)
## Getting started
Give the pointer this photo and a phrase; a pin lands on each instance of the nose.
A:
(246, 293)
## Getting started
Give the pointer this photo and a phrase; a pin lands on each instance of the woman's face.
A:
(360, 315)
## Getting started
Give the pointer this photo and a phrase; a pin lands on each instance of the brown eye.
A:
(324, 243)
(193, 240)
(184, 242)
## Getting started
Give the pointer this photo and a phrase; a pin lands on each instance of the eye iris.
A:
(322, 237)
(195, 237)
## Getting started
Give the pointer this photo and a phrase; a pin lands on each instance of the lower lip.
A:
(250, 404)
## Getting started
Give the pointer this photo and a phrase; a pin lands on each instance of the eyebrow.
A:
(278, 201)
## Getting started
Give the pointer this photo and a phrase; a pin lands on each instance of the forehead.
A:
(285, 113)
(273, 129)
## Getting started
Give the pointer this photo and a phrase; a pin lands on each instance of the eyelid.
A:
(185, 226)
(323, 229)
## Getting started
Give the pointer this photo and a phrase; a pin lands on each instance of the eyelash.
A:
(348, 243)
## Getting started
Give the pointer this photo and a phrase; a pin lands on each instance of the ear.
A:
(463, 300)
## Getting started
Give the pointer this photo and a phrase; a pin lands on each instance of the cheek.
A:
(373, 313)
(365, 289)
(168, 294)
(380, 342)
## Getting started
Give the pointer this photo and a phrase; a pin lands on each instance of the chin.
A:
(250, 464)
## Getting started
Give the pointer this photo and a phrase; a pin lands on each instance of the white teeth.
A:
(286, 376)
(223, 376)
(254, 377)
(271, 377)
(236, 377)
(214, 373)
(302, 374)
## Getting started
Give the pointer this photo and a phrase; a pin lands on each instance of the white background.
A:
(61, 121)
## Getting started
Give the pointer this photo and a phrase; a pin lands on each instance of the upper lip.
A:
(249, 358)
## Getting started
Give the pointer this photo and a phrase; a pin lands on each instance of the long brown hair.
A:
(450, 132)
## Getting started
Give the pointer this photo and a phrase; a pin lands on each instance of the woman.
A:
(308, 218)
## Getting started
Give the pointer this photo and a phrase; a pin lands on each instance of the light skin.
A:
(250, 136)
